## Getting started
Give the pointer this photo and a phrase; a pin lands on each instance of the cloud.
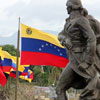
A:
(54, 25)
(40, 14)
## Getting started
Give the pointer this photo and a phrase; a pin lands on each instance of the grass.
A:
(26, 91)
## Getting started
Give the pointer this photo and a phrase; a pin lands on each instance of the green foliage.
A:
(48, 77)
(10, 49)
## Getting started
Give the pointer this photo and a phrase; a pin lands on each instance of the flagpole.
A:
(9, 86)
(17, 62)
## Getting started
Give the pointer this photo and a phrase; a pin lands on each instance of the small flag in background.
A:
(13, 73)
(28, 77)
(25, 72)
(21, 69)
(6, 65)
(6, 60)
(40, 48)
(3, 79)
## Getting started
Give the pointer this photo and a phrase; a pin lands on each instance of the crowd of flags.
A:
(37, 48)
(8, 67)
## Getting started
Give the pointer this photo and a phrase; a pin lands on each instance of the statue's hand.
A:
(67, 43)
(89, 59)
(83, 66)
(61, 37)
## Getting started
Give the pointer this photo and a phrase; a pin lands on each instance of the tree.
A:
(10, 49)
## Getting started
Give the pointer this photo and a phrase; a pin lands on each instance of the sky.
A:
(40, 14)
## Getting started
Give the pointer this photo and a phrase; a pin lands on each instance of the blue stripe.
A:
(36, 45)
(6, 62)
(28, 75)
(14, 72)
(14, 65)
(26, 69)
(0, 61)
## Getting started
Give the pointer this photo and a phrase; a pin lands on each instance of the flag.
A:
(8, 62)
(6, 65)
(31, 74)
(13, 70)
(28, 77)
(3, 79)
(5, 69)
(25, 72)
(20, 67)
(4, 54)
(13, 73)
(40, 48)
(20, 73)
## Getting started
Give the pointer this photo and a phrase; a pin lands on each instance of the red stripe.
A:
(37, 58)
(3, 79)
(24, 73)
(12, 75)
(31, 76)
(6, 68)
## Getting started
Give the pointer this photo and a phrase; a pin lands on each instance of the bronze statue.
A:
(81, 37)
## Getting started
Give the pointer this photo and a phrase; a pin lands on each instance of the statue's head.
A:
(73, 5)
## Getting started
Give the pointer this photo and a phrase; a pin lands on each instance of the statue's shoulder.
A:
(67, 19)
(82, 20)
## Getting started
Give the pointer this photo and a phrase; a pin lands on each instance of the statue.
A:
(81, 37)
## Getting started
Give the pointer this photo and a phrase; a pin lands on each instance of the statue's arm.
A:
(90, 37)
(64, 38)
(61, 36)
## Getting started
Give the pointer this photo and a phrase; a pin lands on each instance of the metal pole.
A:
(9, 86)
(17, 62)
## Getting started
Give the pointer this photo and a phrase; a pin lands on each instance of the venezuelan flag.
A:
(40, 48)
(6, 65)
(6, 60)
(28, 77)
(20, 67)
(13, 73)
(31, 74)
(3, 78)
(25, 72)
(13, 70)
(20, 73)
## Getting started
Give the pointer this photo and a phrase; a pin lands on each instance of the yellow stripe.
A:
(7, 73)
(23, 77)
(37, 34)
(20, 67)
(4, 54)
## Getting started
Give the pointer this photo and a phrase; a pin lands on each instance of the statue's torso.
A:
(73, 32)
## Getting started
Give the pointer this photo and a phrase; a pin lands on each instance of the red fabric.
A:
(37, 58)
(3, 79)
(12, 75)
(6, 68)
(31, 76)
(24, 73)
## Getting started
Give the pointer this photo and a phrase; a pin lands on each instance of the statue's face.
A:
(73, 5)
(69, 9)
